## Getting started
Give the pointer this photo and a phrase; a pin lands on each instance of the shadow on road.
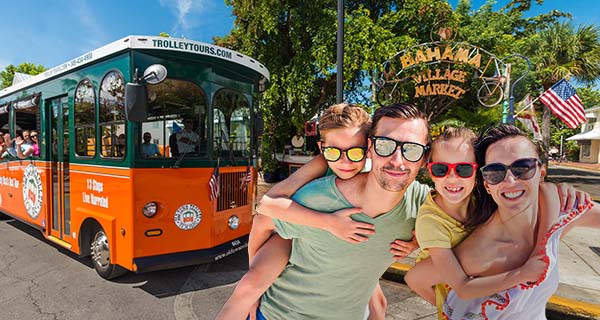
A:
(163, 283)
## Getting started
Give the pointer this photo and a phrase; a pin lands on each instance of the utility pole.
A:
(339, 97)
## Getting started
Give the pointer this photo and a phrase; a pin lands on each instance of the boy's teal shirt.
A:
(328, 278)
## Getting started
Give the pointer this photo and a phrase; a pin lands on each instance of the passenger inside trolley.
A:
(149, 149)
(188, 140)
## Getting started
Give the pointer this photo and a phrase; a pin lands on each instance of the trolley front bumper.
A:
(182, 259)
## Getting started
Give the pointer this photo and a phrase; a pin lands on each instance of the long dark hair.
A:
(485, 203)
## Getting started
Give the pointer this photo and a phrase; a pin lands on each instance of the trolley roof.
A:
(143, 42)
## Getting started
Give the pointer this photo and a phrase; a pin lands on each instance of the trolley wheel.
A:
(490, 98)
(100, 253)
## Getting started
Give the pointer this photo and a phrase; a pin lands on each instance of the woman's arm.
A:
(22, 155)
(451, 272)
(276, 203)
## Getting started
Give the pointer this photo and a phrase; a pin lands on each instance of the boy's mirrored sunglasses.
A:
(411, 151)
(442, 169)
(522, 169)
(354, 154)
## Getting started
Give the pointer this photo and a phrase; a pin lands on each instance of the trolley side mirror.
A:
(136, 93)
(136, 102)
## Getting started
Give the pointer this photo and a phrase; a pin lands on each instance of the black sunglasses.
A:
(442, 169)
(523, 169)
(354, 154)
(411, 151)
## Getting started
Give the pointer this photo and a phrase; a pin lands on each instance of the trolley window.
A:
(85, 119)
(112, 116)
(231, 124)
(176, 123)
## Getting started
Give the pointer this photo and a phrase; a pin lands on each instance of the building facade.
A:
(589, 138)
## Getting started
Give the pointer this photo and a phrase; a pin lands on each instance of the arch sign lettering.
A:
(438, 69)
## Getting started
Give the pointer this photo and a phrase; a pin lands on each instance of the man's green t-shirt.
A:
(328, 278)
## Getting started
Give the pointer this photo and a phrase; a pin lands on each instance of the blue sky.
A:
(52, 32)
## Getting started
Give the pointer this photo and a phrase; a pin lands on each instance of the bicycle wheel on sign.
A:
(489, 98)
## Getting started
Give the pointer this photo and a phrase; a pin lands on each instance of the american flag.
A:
(245, 181)
(564, 102)
(214, 184)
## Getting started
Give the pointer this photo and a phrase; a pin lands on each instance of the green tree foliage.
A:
(9, 72)
(297, 43)
(296, 40)
(590, 97)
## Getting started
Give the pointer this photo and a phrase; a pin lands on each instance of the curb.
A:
(563, 308)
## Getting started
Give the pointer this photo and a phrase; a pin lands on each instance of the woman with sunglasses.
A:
(34, 143)
(514, 227)
(343, 129)
(444, 221)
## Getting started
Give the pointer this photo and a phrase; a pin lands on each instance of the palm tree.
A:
(560, 52)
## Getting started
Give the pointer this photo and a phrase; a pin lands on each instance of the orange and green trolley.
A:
(147, 153)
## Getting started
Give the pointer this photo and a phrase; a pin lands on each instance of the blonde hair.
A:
(344, 115)
(466, 134)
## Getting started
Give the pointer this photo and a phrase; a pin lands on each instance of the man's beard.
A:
(389, 183)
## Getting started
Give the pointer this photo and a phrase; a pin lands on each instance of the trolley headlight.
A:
(150, 209)
(233, 222)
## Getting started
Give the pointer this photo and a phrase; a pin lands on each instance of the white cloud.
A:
(188, 13)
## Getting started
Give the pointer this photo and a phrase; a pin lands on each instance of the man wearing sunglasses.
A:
(328, 278)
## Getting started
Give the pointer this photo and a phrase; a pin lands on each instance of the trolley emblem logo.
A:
(187, 217)
(32, 191)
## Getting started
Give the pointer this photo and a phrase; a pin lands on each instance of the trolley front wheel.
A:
(100, 252)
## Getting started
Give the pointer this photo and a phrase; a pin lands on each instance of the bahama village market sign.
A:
(438, 68)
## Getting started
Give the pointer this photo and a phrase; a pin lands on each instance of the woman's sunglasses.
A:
(442, 169)
(522, 169)
(354, 154)
(411, 151)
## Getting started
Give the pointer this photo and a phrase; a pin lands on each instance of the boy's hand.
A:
(533, 270)
(341, 225)
(568, 195)
(401, 249)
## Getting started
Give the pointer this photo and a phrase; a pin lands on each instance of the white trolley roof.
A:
(143, 42)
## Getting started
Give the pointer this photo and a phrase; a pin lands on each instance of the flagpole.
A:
(527, 106)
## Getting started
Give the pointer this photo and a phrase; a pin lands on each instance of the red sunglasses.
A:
(442, 169)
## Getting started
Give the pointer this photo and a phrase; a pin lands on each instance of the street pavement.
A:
(578, 294)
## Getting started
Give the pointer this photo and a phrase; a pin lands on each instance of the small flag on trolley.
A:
(528, 118)
(563, 101)
(214, 184)
(246, 180)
